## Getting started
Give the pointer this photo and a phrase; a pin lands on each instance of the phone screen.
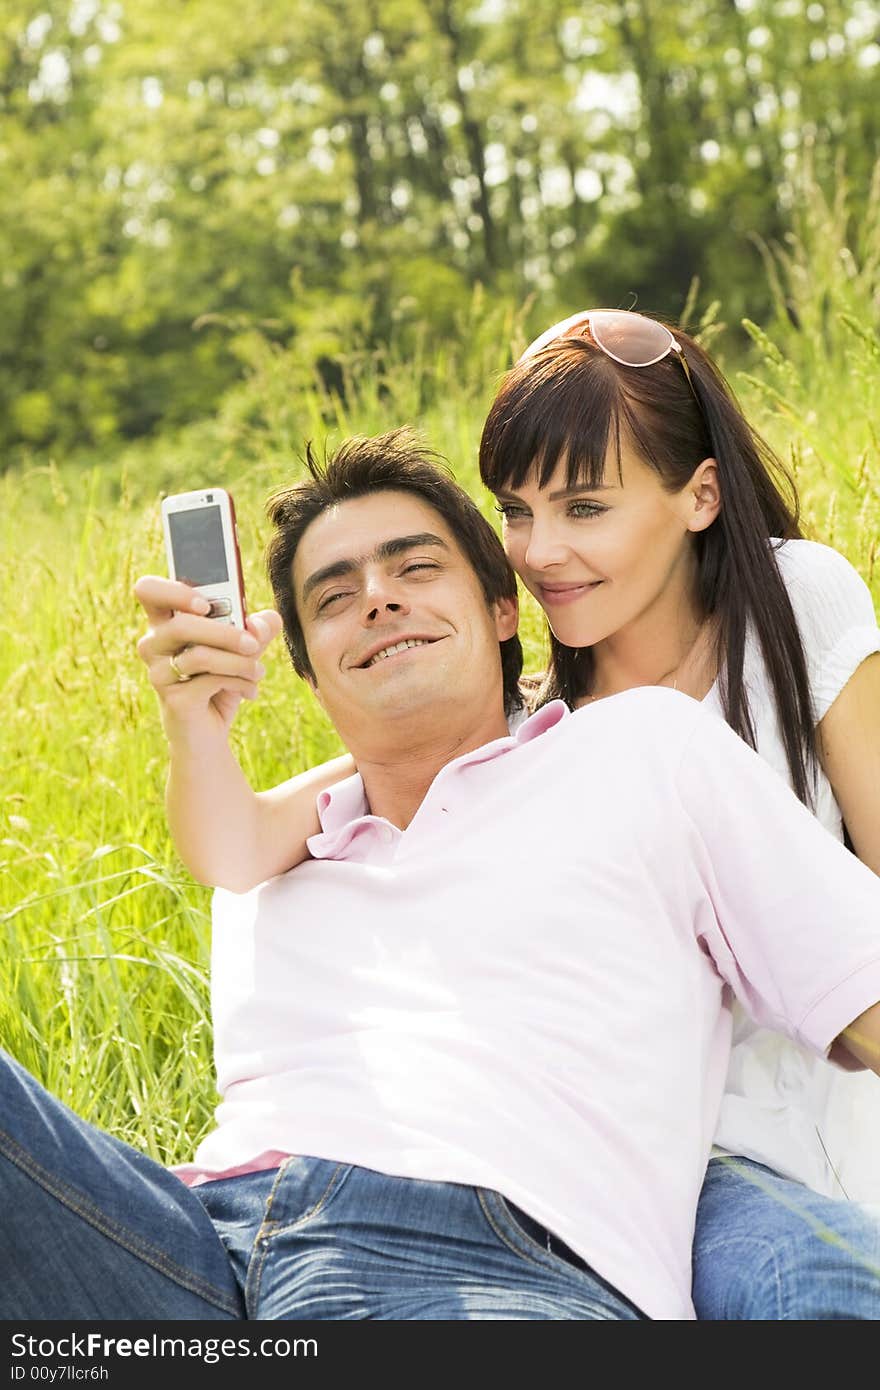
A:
(197, 543)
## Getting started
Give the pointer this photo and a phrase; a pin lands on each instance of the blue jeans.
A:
(91, 1229)
(769, 1249)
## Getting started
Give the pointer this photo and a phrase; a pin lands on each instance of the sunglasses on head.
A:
(627, 338)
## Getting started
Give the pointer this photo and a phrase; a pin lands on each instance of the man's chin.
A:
(400, 701)
(393, 701)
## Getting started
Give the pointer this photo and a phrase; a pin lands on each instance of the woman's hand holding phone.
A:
(201, 669)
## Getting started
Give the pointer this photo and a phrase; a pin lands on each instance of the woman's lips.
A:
(556, 595)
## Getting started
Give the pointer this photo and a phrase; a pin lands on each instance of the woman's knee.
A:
(768, 1248)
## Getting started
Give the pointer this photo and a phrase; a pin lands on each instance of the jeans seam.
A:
(255, 1275)
(260, 1247)
(137, 1246)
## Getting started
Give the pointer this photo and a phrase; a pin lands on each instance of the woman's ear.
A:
(703, 493)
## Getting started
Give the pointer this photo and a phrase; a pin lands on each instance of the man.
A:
(471, 1053)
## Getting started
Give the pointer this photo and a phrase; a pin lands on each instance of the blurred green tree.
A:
(339, 175)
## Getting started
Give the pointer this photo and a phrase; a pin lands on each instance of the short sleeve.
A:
(835, 616)
(794, 921)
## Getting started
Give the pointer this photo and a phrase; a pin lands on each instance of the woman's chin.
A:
(574, 635)
(575, 619)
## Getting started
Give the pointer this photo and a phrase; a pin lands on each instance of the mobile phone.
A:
(201, 543)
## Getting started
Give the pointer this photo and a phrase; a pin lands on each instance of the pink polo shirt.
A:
(528, 989)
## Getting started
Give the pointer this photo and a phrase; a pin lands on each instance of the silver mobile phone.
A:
(201, 543)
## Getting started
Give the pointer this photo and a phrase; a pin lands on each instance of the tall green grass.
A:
(105, 938)
(816, 387)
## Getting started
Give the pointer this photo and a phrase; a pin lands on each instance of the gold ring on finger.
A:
(178, 674)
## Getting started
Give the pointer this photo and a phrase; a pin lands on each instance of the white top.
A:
(525, 990)
(782, 1106)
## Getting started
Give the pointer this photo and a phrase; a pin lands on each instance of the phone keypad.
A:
(221, 608)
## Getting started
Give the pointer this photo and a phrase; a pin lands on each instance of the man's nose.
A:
(383, 598)
(545, 546)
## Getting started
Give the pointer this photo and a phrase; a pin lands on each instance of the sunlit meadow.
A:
(104, 970)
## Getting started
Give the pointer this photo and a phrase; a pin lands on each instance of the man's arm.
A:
(794, 919)
(227, 835)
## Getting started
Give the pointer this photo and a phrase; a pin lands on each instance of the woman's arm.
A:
(849, 751)
(862, 1038)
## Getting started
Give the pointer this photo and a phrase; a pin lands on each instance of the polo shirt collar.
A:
(343, 810)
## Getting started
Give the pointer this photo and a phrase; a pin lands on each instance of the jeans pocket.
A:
(528, 1238)
(304, 1188)
(524, 1235)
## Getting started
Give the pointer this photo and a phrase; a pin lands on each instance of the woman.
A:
(641, 510)
(643, 513)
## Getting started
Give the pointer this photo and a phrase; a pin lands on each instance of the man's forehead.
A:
(354, 530)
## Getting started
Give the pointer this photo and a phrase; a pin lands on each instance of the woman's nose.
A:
(545, 546)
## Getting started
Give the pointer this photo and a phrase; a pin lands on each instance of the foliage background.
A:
(180, 176)
(226, 230)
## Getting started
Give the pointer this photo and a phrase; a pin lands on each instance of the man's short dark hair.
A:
(398, 462)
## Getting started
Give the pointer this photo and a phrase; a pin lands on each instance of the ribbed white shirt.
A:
(782, 1105)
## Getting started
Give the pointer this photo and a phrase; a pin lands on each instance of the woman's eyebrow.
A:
(564, 492)
(556, 496)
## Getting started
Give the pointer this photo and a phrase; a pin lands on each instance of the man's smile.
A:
(393, 649)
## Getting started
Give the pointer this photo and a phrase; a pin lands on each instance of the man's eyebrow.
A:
(385, 551)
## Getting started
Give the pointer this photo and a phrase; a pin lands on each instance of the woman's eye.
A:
(510, 512)
(579, 510)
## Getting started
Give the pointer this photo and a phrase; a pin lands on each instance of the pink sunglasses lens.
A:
(629, 338)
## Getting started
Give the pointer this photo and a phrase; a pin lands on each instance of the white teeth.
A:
(398, 647)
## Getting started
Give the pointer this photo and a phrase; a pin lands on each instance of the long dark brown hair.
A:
(568, 403)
